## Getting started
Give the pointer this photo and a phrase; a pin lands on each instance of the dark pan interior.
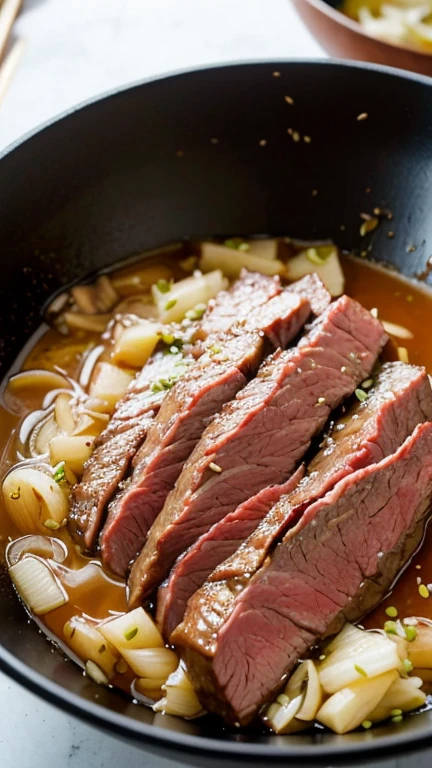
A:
(138, 169)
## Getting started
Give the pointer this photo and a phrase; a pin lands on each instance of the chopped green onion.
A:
(283, 699)
(390, 628)
(396, 712)
(60, 474)
(361, 395)
(408, 665)
(366, 724)
(313, 256)
(129, 634)
(237, 244)
(411, 633)
(423, 591)
(196, 313)
(360, 670)
(367, 383)
(397, 719)
(163, 286)
(391, 611)
(170, 304)
(168, 339)
(52, 525)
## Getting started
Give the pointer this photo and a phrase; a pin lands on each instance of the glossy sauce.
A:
(96, 595)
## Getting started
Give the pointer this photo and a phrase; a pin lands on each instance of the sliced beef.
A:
(312, 288)
(199, 395)
(251, 291)
(400, 399)
(334, 566)
(260, 436)
(193, 567)
(115, 448)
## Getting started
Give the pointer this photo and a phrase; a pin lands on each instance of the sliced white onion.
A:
(89, 363)
(350, 706)
(323, 261)
(37, 585)
(34, 500)
(180, 698)
(354, 654)
(90, 645)
(37, 377)
(151, 663)
(43, 546)
(92, 670)
(231, 261)
(42, 435)
(397, 330)
(135, 629)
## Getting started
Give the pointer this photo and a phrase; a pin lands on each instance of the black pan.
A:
(141, 167)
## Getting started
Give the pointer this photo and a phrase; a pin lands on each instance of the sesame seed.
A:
(321, 400)
(215, 467)
(362, 116)
(403, 354)
(418, 580)
(263, 143)
(322, 657)
(374, 312)
(276, 74)
(418, 567)
(307, 139)
(390, 234)
(289, 100)
(314, 192)
(214, 140)
(343, 369)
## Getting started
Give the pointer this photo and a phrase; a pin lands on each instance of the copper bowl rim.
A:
(333, 13)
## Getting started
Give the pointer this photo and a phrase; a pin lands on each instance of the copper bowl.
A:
(344, 38)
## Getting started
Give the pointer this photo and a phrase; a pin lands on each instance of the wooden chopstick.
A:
(9, 10)
(10, 64)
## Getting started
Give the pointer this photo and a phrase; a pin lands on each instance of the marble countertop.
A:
(76, 49)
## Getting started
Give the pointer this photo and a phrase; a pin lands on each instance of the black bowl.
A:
(199, 153)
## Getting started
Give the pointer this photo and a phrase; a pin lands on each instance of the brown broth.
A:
(93, 593)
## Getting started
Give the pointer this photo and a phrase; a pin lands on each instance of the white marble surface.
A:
(76, 49)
